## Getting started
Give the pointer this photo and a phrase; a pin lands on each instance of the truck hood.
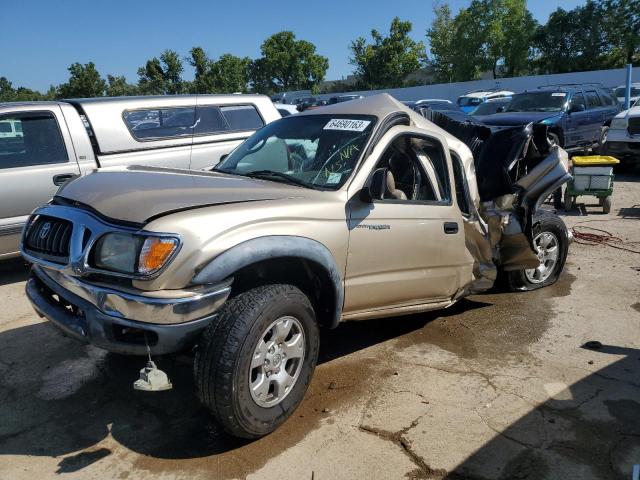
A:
(139, 194)
(509, 119)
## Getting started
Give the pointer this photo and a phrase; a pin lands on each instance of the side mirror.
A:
(223, 157)
(500, 109)
(375, 188)
(577, 108)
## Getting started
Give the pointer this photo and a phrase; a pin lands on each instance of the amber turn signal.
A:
(154, 253)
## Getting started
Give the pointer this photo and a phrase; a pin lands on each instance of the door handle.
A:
(63, 178)
(450, 228)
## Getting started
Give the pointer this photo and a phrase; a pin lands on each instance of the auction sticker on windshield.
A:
(346, 124)
(559, 94)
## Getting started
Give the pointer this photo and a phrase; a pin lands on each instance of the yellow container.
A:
(593, 160)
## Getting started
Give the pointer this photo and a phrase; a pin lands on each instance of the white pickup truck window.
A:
(32, 139)
(157, 123)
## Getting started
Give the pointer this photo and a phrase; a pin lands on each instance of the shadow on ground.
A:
(58, 397)
(13, 271)
(61, 398)
(590, 430)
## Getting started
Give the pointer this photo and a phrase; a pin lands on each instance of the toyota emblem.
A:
(44, 231)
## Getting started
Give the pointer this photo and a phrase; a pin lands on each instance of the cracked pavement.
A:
(496, 387)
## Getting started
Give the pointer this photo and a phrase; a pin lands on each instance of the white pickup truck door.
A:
(404, 252)
(34, 160)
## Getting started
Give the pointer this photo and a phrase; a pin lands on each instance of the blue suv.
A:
(577, 115)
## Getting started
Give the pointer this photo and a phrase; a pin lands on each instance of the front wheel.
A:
(551, 242)
(255, 361)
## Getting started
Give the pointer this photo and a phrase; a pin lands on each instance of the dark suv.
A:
(577, 115)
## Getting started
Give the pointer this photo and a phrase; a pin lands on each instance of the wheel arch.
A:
(299, 261)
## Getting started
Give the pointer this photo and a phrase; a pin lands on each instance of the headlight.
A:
(619, 123)
(133, 254)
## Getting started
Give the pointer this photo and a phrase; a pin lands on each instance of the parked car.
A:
(304, 102)
(623, 138)
(621, 92)
(491, 106)
(315, 104)
(577, 116)
(52, 142)
(471, 100)
(284, 109)
(446, 107)
(290, 97)
(344, 98)
(246, 263)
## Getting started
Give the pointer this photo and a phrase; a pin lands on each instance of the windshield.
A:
(537, 102)
(488, 108)
(314, 151)
(469, 101)
(622, 91)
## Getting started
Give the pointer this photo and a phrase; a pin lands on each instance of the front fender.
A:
(276, 246)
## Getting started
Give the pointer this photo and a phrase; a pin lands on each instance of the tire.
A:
(603, 139)
(607, 203)
(553, 226)
(568, 201)
(222, 366)
(554, 139)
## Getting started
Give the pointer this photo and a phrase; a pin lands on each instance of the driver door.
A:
(408, 247)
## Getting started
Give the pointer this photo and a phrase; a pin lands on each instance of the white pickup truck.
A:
(44, 144)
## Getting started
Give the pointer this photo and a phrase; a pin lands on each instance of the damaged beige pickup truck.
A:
(358, 210)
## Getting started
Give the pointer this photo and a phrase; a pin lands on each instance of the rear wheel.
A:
(255, 362)
(607, 203)
(568, 201)
(551, 242)
(603, 139)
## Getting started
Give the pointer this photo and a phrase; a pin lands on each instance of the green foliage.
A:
(622, 31)
(21, 94)
(118, 87)
(162, 76)
(84, 82)
(287, 64)
(387, 61)
(494, 35)
(228, 74)
(441, 37)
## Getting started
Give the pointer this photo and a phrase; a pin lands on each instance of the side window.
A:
(31, 139)
(242, 117)
(578, 99)
(608, 98)
(209, 119)
(157, 123)
(416, 170)
(460, 184)
(593, 99)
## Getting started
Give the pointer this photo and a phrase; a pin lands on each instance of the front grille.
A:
(634, 125)
(49, 238)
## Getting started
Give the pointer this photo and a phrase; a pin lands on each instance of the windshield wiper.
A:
(276, 176)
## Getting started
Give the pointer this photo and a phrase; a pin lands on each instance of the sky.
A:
(41, 38)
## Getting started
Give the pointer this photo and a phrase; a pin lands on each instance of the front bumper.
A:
(629, 152)
(75, 314)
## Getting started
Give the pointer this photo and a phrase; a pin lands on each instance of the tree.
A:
(563, 45)
(622, 31)
(231, 74)
(287, 64)
(228, 74)
(441, 37)
(118, 87)
(494, 35)
(387, 61)
(162, 76)
(84, 82)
